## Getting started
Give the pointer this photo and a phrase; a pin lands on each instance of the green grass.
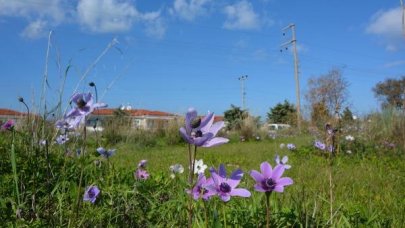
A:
(365, 187)
(368, 187)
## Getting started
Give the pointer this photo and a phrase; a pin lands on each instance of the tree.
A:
(320, 114)
(282, 113)
(234, 117)
(391, 92)
(347, 115)
(328, 90)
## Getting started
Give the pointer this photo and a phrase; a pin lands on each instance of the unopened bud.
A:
(92, 84)
(20, 99)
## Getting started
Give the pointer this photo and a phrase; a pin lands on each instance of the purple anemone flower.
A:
(8, 125)
(61, 139)
(91, 194)
(69, 123)
(235, 175)
(283, 161)
(106, 153)
(142, 164)
(202, 132)
(226, 187)
(270, 180)
(291, 146)
(318, 144)
(200, 189)
(141, 174)
(84, 105)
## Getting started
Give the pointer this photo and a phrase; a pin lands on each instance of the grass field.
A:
(367, 188)
(370, 187)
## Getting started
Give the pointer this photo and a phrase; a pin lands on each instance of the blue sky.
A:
(175, 54)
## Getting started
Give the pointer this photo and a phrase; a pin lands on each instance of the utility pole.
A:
(243, 93)
(285, 45)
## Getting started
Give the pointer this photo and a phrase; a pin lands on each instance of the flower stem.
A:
(84, 136)
(268, 209)
(14, 167)
(193, 165)
(331, 191)
(79, 192)
(205, 214)
(190, 160)
(190, 183)
(224, 214)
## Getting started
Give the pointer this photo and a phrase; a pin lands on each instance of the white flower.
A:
(283, 162)
(177, 168)
(349, 138)
(349, 151)
(282, 145)
(42, 142)
(199, 167)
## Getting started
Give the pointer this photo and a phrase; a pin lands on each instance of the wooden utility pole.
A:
(285, 45)
(242, 88)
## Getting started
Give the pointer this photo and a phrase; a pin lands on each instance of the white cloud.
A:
(51, 10)
(394, 64)
(106, 16)
(388, 26)
(241, 16)
(42, 15)
(35, 29)
(189, 9)
(98, 16)
(155, 26)
(386, 23)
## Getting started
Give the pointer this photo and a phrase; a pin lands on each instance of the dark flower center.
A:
(91, 193)
(224, 187)
(195, 122)
(202, 190)
(269, 184)
(198, 134)
(81, 103)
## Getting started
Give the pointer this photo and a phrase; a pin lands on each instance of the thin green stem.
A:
(79, 192)
(84, 137)
(14, 167)
(193, 164)
(205, 214)
(190, 182)
(268, 209)
(331, 191)
(190, 160)
(224, 214)
(95, 89)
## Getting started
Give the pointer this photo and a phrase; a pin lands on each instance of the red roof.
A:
(9, 112)
(133, 112)
(218, 118)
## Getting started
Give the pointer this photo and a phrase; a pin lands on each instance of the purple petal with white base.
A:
(226, 187)
(91, 194)
(270, 180)
(201, 132)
